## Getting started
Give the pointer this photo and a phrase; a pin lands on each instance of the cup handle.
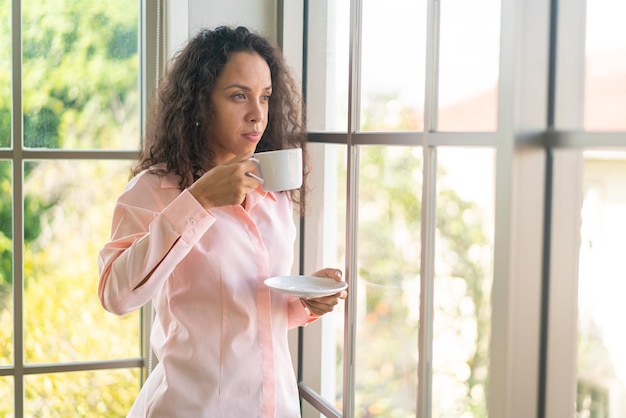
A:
(250, 174)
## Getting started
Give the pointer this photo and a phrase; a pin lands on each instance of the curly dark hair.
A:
(180, 122)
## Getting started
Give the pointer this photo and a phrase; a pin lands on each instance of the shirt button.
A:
(192, 221)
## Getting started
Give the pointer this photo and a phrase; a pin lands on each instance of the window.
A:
(477, 217)
(472, 159)
(601, 370)
(70, 117)
(401, 208)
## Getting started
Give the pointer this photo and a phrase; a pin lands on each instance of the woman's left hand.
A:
(325, 304)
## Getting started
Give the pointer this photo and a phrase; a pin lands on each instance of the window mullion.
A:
(18, 198)
(428, 220)
(427, 274)
(352, 156)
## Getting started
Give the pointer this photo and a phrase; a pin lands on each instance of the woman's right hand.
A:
(226, 184)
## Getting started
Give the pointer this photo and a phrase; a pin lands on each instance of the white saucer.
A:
(305, 286)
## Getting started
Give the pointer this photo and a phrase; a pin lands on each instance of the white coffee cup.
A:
(279, 170)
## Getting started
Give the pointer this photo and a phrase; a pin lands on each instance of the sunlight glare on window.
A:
(327, 99)
(605, 66)
(469, 65)
(601, 364)
(393, 65)
(463, 278)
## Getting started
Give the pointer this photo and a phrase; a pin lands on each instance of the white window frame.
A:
(537, 222)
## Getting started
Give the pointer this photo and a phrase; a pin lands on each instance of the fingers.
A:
(330, 273)
(226, 184)
(248, 166)
(323, 305)
(316, 307)
(245, 165)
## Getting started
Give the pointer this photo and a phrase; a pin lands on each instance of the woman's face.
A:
(240, 101)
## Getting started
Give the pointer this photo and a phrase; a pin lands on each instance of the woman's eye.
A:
(239, 96)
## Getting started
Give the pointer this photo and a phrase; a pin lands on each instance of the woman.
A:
(198, 236)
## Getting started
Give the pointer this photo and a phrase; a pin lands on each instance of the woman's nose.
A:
(256, 112)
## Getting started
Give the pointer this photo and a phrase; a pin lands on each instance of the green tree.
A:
(80, 91)
(80, 74)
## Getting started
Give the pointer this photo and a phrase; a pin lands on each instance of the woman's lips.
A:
(253, 136)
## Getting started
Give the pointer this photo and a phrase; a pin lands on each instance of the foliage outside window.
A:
(79, 92)
(390, 192)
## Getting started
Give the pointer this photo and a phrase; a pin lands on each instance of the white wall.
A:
(187, 17)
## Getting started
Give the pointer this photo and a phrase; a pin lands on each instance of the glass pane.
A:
(329, 371)
(328, 52)
(388, 281)
(601, 365)
(393, 63)
(469, 65)
(340, 226)
(6, 394)
(605, 66)
(68, 207)
(105, 393)
(463, 277)
(5, 73)
(6, 264)
(80, 67)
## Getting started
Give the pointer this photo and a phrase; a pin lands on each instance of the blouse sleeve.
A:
(300, 315)
(149, 238)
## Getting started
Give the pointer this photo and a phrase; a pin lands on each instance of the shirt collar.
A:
(170, 181)
(257, 195)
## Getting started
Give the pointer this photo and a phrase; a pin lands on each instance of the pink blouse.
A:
(219, 333)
